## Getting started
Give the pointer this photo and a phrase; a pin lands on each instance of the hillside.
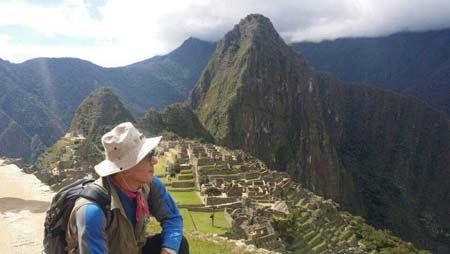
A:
(378, 154)
(262, 207)
(98, 113)
(176, 119)
(42, 94)
(410, 63)
(74, 155)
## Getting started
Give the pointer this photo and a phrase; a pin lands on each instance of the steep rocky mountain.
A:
(75, 154)
(411, 63)
(101, 109)
(41, 95)
(378, 154)
(177, 119)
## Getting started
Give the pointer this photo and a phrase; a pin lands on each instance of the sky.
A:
(114, 33)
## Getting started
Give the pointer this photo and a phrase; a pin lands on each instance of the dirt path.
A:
(23, 202)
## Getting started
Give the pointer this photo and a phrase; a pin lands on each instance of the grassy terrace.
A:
(200, 221)
(185, 197)
(193, 221)
(197, 221)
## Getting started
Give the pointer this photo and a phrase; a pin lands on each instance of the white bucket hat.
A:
(124, 147)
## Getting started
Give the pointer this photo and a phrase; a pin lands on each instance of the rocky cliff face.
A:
(410, 63)
(378, 154)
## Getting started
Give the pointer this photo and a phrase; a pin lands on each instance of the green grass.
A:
(186, 171)
(203, 223)
(57, 152)
(193, 221)
(200, 246)
(185, 198)
(196, 221)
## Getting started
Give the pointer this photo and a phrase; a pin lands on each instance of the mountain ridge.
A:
(410, 63)
(263, 98)
(42, 94)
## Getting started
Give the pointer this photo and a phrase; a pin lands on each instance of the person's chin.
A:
(149, 178)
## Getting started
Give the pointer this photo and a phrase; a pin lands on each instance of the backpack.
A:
(61, 207)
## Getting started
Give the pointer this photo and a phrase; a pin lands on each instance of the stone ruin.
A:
(253, 197)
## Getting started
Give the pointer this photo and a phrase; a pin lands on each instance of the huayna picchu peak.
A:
(378, 154)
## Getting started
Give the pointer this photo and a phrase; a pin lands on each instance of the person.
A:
(127, 175)
(212, 218)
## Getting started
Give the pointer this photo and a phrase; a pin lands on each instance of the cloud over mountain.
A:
(112, 33)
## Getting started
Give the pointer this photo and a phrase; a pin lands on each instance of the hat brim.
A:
(107, 167)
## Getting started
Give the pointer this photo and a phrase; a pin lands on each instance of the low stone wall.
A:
(251, 175)
(183, 184)
(185, 167)
(182, 189)
(185, 177)
(227, 178)
(269, 242)
(205, 209)
(220, 200)
(190, 206)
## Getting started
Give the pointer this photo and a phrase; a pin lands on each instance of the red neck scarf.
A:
(142, 208)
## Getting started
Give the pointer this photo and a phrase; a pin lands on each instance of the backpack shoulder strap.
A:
(97, 194)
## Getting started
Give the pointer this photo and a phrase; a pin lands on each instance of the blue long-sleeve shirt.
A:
(91, 221)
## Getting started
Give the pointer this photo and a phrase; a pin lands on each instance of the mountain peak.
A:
(191, 41)
(250, 59)
(257, 19)
(257, 28)
(100, 109)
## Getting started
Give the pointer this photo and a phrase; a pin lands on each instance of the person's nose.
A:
(155, 160)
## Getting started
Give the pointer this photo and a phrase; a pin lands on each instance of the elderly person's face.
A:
(143, 172)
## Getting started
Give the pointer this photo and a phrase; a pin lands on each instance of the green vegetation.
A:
(99, 113)
(57, 152)
(200, 221)
(197, 221)
(185, 197)
(200, 246)
(313, 231)
(176, 120)
(193, 221)
(372, 150)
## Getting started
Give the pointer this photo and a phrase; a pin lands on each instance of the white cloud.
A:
(312, 19)
(4, 39)
(134, 30)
